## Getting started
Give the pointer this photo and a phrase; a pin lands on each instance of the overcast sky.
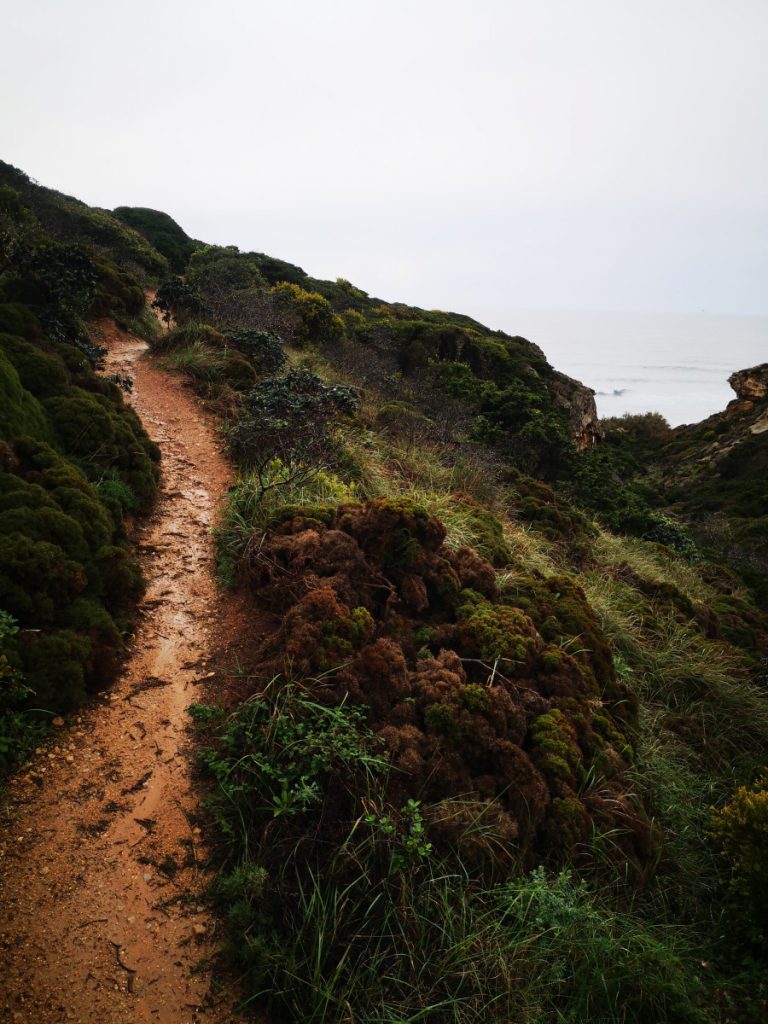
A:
(463, 154)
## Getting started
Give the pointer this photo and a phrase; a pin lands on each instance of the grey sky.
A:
(466, 155)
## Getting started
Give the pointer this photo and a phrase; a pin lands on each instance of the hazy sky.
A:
(463, 154)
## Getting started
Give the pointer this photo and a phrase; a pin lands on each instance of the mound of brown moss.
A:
(484, 711)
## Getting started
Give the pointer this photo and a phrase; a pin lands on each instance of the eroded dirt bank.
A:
(102, 866)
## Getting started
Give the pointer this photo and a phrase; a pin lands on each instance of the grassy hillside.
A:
(473, 773)
(162, 232)
(502, 755)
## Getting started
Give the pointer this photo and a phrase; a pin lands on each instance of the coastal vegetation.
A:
(379, 812)
(502, 755)
(75, 462)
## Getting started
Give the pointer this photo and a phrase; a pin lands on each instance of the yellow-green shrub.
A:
(740, 829)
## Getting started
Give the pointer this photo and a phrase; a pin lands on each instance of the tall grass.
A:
(361, 931)
(373, 928)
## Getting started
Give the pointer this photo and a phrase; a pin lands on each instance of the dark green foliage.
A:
(42, 374)
(20, 412)
(555, 518)
(287, 420)
(118, 294)
(487, 528)
(63, 574)
(162, 232)
(18, 729)
(608, 481)
(100, 437)
(649, 427)
(740, 830)
(17, 319)
(178, 301)
(263, 349)
(55, 668)
(66, 576)
(72, 222)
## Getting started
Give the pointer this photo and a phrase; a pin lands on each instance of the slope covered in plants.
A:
(75, 462)
(473, 672)
(470, 772)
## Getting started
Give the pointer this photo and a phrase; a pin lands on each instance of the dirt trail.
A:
(102, 865)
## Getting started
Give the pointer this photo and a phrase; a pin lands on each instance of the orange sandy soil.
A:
(102, 863)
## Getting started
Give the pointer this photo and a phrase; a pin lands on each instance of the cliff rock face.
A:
(577, 404)
(750, 385)
(750, 407)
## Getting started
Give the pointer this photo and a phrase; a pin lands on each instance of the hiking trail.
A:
(102, 864)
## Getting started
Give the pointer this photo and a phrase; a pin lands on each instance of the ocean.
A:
(675, 364)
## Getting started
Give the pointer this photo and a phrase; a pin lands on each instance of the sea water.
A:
(677, 364)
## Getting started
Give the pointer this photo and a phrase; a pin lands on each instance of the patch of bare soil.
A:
(102, 862)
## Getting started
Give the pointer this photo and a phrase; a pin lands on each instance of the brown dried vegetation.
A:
(485, 714)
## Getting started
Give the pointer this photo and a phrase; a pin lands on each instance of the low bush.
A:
(288, 421)
(263, 349)
(740, 831)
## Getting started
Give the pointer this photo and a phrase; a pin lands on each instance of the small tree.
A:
(263, 349)
(178, 301)
(285, 431)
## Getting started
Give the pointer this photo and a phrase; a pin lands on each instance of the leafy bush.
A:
(648, 427)
(66, 575)
(287, 421)
(263, 349)
(314, 321)
(740, 830)
(18, 729)
(178, 301)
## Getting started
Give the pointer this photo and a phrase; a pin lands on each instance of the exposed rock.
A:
(577, 403)
(751, 385)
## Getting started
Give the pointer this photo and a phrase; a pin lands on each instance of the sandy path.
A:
(101, 865)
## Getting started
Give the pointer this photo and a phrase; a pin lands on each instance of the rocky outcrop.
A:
(577, 404)
(750, 385)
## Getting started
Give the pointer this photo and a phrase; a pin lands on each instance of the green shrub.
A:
(263, 349)
(287, 421)
(188, 335)
(314, 321)
(740, 830)
(42, 374)
(177, 300)
(19, 731)
(20, 412)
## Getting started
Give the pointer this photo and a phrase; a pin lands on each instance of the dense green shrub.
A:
(74, 460)
(314, 321)
(263, 349)
(287, 420)
(18, 729)
(42, 374)
(740, 829)
(178, 301)
(20, 412)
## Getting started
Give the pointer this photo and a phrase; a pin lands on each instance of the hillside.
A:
(489, 741)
